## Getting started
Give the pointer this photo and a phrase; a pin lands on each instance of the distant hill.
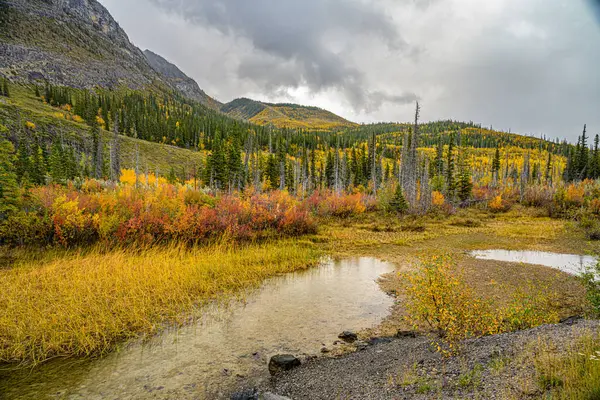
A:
(285, 115)
(186, 85)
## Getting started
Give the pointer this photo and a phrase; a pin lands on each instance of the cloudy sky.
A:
(529, 66)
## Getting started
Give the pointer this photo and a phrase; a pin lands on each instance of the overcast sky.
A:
(531, 66)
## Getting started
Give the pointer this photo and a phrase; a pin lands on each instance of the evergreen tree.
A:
(464, 184)
(38, 167)
(272, 171)
(398, 203)
(9, 189)
(23, 163)
(172, 176)
(582, 157)
(5, 91)
(496, 165)
(329, 170)
(56, 163)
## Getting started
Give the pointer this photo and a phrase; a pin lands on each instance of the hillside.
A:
(50, 124)
(292, 116)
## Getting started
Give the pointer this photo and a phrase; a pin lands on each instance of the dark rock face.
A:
(186, 85)
(348, 336)
(77, 43)
(282, 362)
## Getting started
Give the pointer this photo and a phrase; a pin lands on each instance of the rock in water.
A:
(348, 336)
(282, 362)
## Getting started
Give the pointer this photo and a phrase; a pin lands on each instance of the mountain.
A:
(74, 43)
(285, 115)
(176, 78)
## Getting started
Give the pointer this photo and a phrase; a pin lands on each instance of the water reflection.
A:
(570, 263)
(295, 313)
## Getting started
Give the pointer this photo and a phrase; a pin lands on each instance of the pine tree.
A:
(23, 163)
(398, 203)
(38, 167)
(464, 184)
(9, 189)
(272, 171)
(329, 170)
(5, 91)
(496, 165)
(172, 176)
(56, 163)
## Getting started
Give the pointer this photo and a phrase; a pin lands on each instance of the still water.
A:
(295, 313)
(570, 263)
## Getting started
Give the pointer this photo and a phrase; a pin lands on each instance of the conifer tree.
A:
(56, 163)
(38, 167)
(496, 165)
(398, 203)
(9, 190)
(5, 90)
(23, 163)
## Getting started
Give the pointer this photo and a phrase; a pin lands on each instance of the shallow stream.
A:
(295, 313)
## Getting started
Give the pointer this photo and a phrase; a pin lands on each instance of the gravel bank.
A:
(408, 368)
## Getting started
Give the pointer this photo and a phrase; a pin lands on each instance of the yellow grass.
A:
(82, 304)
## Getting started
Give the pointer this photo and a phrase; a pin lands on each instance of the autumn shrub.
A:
(26, 227)
(124, 214)
(437, 199)
(537, 196)
(499, 204)
(439, 298)
(342, 205)
(594, 206)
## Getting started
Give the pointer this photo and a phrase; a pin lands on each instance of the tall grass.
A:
(82, 304)
(572, 375)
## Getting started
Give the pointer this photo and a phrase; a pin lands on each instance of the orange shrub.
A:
(498, 204)
(575, 195)
(437, 199)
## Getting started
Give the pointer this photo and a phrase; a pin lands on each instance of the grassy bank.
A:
(82, 304)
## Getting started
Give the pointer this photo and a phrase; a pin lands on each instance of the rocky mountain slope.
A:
(75, 43)
(174, 76)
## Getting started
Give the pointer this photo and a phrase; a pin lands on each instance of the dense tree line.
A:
(239, 154)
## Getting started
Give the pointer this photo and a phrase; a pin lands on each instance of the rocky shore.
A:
(407, 367)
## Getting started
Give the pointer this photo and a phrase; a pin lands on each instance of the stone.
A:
(406, 334)
(571, 320)
(272, 396)
(246, 394)
(348, 336)
(283, 362)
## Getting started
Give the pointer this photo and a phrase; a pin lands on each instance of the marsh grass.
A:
(83, 303)
(574, 374)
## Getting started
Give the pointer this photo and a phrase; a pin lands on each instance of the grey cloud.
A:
(295, 41)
